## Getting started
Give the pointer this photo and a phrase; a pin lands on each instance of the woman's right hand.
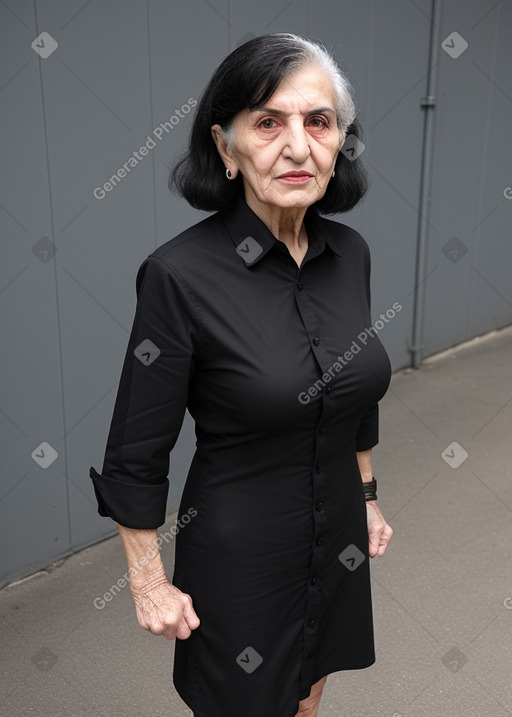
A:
(163, 609)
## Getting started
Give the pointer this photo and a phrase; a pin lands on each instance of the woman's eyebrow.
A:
(282, 113)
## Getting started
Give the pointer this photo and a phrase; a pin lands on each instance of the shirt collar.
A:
(253, 240)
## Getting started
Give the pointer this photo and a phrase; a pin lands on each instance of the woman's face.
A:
(287, 149)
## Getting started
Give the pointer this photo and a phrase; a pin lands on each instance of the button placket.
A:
(313, 606)
(319, 538)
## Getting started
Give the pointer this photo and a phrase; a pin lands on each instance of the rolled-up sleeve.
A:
(151, 400)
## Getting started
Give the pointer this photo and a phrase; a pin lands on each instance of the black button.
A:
(299, 285)
(311, 622)
(319, 541)
(310, 655)
(319, 468)
(313, 581)
(328, 390)
(319, 505)
(316, 340)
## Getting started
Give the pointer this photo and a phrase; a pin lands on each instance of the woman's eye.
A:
(319, 121)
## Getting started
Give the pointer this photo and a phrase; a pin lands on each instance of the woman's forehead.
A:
(302, 90)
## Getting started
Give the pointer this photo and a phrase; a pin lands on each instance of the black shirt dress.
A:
(281, 371)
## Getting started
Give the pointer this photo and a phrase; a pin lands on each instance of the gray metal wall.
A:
(67, 280)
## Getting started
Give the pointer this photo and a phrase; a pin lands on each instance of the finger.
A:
(190, 615)
(373, 544)
(183, 632)
(161, 628)
(174, 628)
(384, 539)
(170, 633)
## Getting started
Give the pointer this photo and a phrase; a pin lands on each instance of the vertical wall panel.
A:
(34, 520)
(97, 84)
(468, 290)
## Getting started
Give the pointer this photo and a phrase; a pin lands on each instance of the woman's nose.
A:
(297, 144)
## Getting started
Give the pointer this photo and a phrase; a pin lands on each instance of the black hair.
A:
(247, 78)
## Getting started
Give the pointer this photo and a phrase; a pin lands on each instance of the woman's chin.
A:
(293, 197)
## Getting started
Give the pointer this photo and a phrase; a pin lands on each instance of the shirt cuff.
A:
(116, 500)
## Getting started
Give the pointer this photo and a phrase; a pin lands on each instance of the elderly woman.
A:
(250, 319)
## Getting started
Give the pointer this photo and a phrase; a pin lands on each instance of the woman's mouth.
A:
(295, 177)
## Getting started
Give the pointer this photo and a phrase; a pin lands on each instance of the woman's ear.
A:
(222, 148)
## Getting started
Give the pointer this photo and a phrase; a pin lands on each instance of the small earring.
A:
(333, 173)
(228, 174)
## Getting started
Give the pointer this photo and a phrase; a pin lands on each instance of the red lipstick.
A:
(295, 177)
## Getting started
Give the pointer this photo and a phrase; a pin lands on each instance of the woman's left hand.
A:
(379, 532)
